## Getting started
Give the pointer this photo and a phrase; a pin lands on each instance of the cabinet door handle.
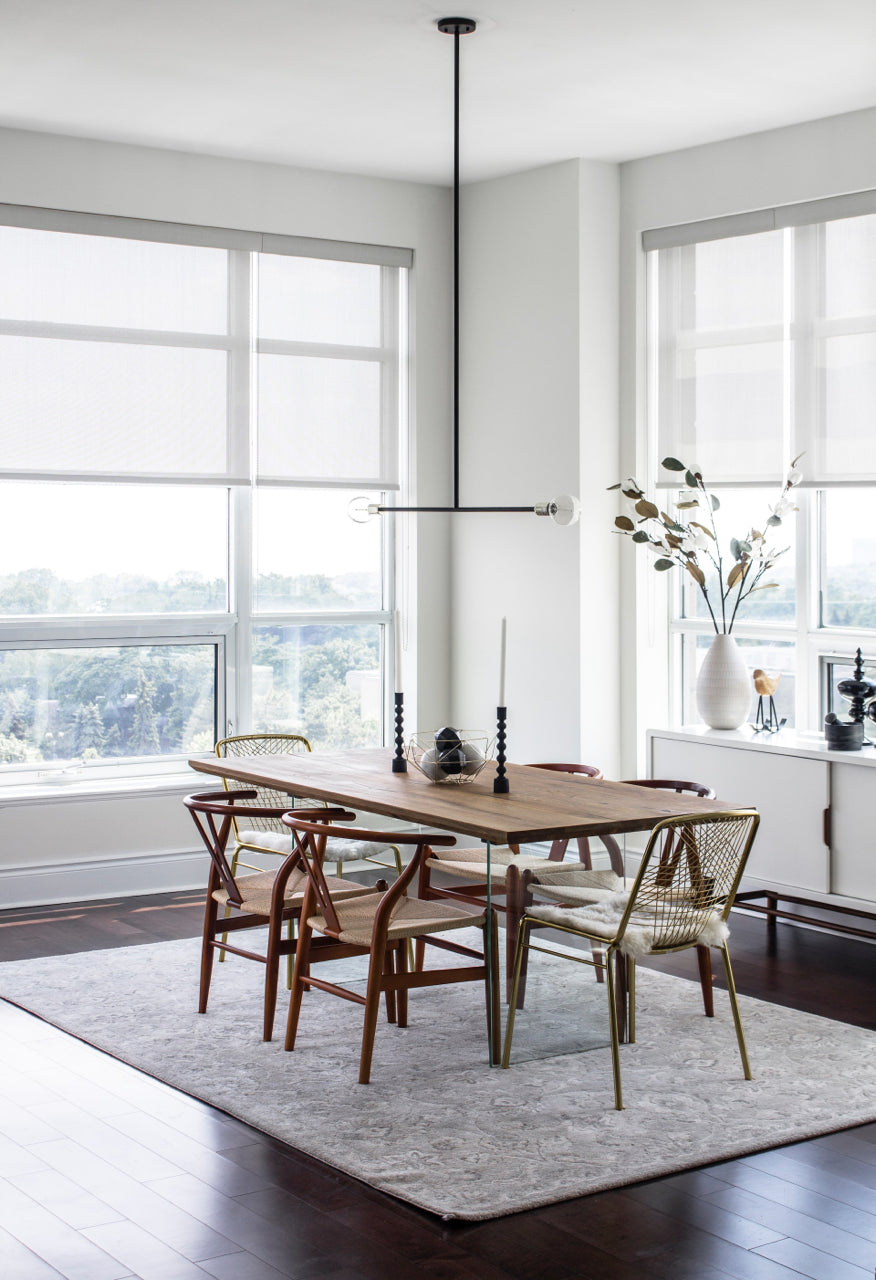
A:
(825, 826)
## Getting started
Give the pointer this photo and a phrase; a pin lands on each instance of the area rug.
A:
(437, 1127)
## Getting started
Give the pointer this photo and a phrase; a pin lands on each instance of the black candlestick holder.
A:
(857, 691)
(399, 763)
(501, 785)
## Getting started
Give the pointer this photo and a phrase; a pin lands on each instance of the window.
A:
(762, 346)
(185, 414)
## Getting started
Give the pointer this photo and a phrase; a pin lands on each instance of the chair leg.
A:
(495, 1008)
(402, 958)
(290, 959)
(272, 976)
(211, 913)
(514, 895)
(513, 1005)
(424, 891)
(620, 993)
(613, 1028)
(227, 912)
(734, 1005)
(631, 999)
(388, 969)
(302, 963)
(704, 960)
(372, 1008)
(598, 962)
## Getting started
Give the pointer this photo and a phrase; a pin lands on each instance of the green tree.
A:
(88, 731)
(144, 740)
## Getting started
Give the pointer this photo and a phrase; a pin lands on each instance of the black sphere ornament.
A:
(448, 750)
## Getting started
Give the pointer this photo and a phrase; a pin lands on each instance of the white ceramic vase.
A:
(724, 688)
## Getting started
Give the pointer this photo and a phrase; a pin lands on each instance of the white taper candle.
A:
(397, 651)
(503, 646)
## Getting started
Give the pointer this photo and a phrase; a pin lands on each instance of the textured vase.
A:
(724, 685)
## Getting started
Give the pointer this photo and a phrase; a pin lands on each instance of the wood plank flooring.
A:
(106, 1174)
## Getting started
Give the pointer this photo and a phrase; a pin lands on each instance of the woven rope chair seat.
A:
(572, 874)
(471, 864)
(574, 893)
(600, 920)
(256, 891)
(337, 850)
(410, 917)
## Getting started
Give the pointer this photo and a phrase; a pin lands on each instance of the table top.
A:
(541, 805)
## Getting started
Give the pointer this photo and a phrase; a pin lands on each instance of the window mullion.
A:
(242, 309)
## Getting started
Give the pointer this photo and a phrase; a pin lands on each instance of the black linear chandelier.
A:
(563, 510)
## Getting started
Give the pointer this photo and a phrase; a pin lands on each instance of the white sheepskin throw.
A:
(603, 918)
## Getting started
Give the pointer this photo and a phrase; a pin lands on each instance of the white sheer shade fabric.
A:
(111, 356)
(126, 358)
(768, 350)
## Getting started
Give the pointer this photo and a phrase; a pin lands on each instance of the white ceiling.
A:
(364, 86)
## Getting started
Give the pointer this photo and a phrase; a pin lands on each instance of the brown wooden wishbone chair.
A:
(266, 898)
(378, 925)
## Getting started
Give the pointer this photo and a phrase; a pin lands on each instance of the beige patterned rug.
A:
(436, 1126)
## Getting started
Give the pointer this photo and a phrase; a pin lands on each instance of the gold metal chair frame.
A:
(669, 840)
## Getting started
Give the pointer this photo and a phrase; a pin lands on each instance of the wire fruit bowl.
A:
(455, 759)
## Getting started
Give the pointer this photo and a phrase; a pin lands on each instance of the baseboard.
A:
(48, 883)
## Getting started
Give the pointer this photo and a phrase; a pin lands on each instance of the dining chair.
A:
(506, 867)
(265, 898)
(379, 925)
(566, 886)
(681, 898)
(267, 836)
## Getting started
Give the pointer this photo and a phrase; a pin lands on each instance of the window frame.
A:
(816, 644)
(230, 631)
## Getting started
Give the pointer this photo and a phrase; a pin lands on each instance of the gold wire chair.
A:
(681, 898)
(268, 836)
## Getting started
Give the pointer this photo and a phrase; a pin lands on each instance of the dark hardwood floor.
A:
(105, 1173)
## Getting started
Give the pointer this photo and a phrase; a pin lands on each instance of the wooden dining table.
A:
(541, 805)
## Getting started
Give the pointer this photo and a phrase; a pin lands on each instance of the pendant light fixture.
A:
(563, 510)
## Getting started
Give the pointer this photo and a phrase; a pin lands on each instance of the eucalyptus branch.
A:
(677, 540)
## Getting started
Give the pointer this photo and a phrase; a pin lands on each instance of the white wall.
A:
(132, 839)
(538, 418)
(782, 166)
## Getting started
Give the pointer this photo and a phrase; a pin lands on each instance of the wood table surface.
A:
(541, 805)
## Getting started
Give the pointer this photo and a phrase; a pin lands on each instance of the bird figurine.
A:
(765, 686)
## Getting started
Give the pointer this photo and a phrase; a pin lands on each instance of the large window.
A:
(185, 414)
(763, 346)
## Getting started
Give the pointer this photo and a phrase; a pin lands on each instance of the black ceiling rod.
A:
(563, 510)
(456, 27)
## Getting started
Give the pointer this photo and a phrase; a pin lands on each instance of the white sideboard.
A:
(818, 807)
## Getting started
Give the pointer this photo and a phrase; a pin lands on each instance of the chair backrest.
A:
(588, 770)
(264, 744)
(310, 833)
(559, 847)
(691, 867)
(214, 812)
(668, 784)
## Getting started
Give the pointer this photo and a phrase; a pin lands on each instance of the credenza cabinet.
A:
(818, 807)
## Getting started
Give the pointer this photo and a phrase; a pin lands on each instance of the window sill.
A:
(81, 787)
